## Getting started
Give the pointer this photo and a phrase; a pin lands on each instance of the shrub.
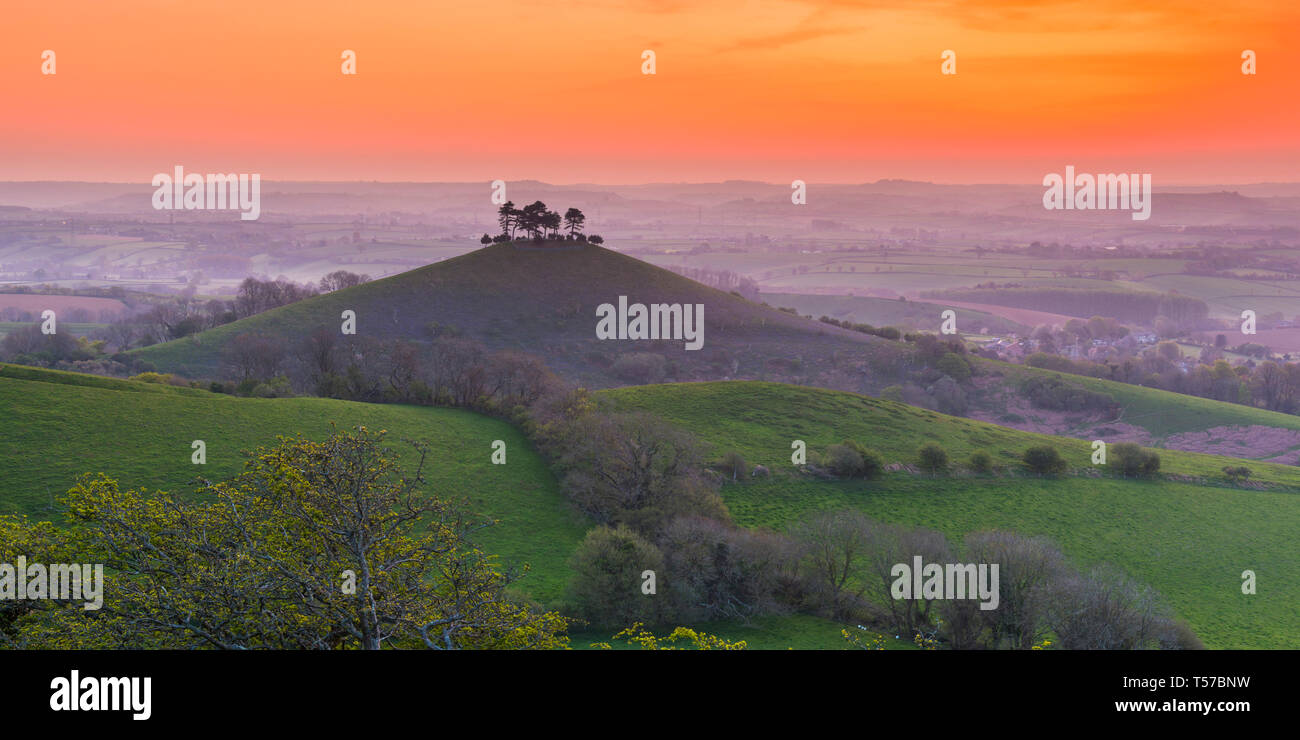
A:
(1131, 460)
(1054, 393)
(607, 568)
(872, 464)
(723, 572)
(981, 462)
(932, 458)
(1044, 460)
(954, 366)
(160, 378)
(1236, 473)
(640, 367)
(844, 461)
(734, 464)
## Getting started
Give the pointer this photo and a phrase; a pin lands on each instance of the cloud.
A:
(778, 40)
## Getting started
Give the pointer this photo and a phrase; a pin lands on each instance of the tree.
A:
(1027, 568)
(954, 366)
(316, 545)
(595, 239)
(719, 571)
(508, 218)
(1044, 460)
(340, 279)
(637, 469)
(532, 218)
(573, 220)
(607, 577)
(734, 463)
(932, 458)
(834, 554)
(981, 462)
(255, 355)
(1106, 610)
(485, 239)
(550, 221)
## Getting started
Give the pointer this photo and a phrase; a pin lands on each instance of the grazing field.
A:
(60, 304)
(1189, 541)
(75, 329)
(1024, 317)
(1160, 413)
(57, 426)
(916, 315)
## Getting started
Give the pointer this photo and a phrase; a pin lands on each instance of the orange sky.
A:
(819, 90)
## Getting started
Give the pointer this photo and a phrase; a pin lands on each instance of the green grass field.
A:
(57, 426)
(1161, 413)
(1190, 542)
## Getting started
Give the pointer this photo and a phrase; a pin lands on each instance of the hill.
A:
(58, 426)
(1186, 534)
(544, 300)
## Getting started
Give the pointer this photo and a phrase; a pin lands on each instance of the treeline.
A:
(885, 332)
(1269, 385)
(725, 280)
(1130, 306)
(164, 320)
(1042, 600)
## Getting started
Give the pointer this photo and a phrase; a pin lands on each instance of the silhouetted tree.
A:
(573, 220)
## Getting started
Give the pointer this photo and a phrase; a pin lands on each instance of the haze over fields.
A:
(407, 325)
(914, 304)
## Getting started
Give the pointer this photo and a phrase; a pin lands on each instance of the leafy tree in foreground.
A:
(316, 545)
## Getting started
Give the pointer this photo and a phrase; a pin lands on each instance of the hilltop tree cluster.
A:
(539, 223)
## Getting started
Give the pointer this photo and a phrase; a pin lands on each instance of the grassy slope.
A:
(538, 300)
(57, 426)
(543, 301)
(1162, 413)
(1190, 542)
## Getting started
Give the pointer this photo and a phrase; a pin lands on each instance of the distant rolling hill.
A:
(543, 300)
